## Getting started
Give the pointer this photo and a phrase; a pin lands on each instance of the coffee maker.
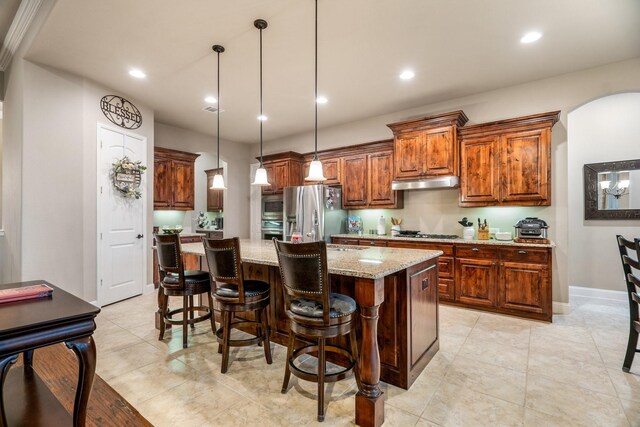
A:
(218, 222)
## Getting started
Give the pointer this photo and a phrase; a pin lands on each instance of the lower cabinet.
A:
(503, 278)
(476, 283)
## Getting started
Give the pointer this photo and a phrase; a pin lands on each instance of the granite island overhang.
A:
(397, 295)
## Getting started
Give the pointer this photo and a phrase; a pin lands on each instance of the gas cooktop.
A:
(419, 235)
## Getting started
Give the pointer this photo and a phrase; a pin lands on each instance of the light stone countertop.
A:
(458, 241)
(344, 260)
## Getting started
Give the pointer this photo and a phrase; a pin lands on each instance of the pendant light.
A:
(218, 179)
(315, 168)
(261, 173)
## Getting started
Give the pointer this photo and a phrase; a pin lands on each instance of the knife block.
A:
(483, 234)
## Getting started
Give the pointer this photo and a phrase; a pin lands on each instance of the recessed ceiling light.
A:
(210, 100)
(138, 74)
(262, 118)
(531, 37)
(322, 100)
(407, 75)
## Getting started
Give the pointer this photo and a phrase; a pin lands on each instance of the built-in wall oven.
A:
(272, 217)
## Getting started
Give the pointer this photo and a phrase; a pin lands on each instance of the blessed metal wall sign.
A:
(121, 112)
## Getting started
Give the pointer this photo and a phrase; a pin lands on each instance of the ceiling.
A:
(455, 47)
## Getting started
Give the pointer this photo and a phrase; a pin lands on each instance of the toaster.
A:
(531, 228)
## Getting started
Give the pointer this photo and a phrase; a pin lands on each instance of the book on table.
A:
(25, 292)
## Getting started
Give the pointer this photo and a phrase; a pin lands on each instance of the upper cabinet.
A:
(215, 198)
(507, 163)
(173, 187)
(331, 167)
(367, 176)
(283, 170)
(427, 147)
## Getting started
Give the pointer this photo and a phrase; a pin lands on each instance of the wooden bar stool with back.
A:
(631, 269)
(315, 314)
(233, 294)
(176, 281)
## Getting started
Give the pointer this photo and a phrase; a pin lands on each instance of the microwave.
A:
(273, 207)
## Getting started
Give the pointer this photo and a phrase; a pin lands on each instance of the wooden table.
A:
(31, 324)
(406, 277)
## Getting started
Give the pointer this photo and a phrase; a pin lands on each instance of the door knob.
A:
(139, 236)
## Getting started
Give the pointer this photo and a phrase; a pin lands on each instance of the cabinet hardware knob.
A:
(493, 263)
(523, 252)
(475, 250)
(502, 264)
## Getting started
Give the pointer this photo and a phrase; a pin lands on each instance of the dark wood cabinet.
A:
(173, 187)
(215, 198)
(508, 279)
(283, 170)
(507, 162)
(427, 147)
(476, 284)
(332, 168)
(367, 181)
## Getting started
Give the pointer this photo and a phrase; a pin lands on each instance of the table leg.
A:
(369, 399)
(28, 358)
(85, 350)
(5, 364)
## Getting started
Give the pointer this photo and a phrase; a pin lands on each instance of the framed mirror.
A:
(612, 190)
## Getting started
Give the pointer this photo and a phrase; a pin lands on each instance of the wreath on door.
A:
(126, 176)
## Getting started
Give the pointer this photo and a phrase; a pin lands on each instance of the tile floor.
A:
(491, 370)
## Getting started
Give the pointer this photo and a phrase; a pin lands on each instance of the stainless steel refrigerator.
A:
(315, 211)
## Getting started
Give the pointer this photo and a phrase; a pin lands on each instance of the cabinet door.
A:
(476, 281)
(525, 167)
(356, 187)
(214, 197)
(479, 172)
(162, 184)
(183, 185)
(281, 176)
(524, 287)
(270, 178)
(409, 156)
(380, 176)
(440, 152)
(423, 311)
(332, 171)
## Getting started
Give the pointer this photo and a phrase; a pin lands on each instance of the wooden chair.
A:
(633, 285)
(176, 281)
(233, 294)
(315, 314)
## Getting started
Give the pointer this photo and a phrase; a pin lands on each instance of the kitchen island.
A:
(397, 294)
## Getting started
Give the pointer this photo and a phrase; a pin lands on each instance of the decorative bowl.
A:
(171, 230)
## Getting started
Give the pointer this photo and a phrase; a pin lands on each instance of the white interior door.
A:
(121, 220)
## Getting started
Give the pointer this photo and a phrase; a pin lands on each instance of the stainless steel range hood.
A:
(427, 184)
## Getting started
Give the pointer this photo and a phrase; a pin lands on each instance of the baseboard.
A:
(579, 291)
(94, 303)
(561, 307)
(149, 289)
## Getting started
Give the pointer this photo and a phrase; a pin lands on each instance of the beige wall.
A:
(438, 211)
(604, 130)
(234, 155)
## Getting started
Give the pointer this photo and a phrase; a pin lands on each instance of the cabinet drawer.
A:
(476, 251)
(344, 241)
(446, 249)
(372, 242)
(445, 267)
(524, 254)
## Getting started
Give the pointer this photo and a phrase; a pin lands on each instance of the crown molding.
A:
(21, 22)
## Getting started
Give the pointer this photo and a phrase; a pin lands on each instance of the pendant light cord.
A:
(218, 115)
(315, 99)
(261, 116)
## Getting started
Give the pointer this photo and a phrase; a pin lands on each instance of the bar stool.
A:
(315, 314)
(233, 294)
(633, 284)
(176, 281)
